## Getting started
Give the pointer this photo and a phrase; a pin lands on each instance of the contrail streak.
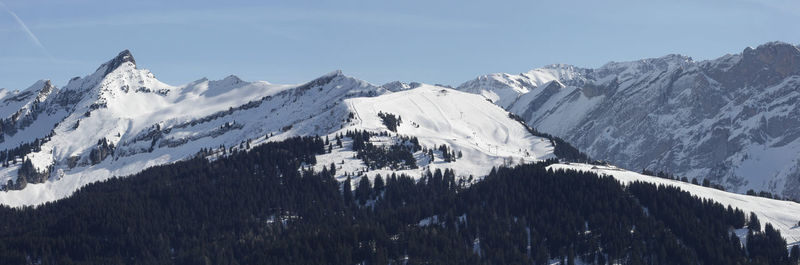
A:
(26, 29)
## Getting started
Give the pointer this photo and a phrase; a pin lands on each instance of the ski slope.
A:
(467, 123)
(783, 215)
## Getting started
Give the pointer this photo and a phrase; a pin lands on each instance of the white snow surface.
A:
(481, 131)
(152, 123)
(783, 215)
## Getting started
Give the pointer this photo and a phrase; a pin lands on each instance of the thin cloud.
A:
(26, 29)
(44, 60)
(257, 15)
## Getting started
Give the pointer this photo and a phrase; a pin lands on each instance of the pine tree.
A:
(753, 224)
(735, 240)
(379, 184)
(363, 190)
(347, 191)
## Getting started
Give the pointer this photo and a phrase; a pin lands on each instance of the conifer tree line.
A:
(562, 149)
(261, 207)
(707, 183)
(26, 174)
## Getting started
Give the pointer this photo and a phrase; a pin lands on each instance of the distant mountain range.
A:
(734, 120)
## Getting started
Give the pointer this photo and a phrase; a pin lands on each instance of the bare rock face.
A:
(734, 120)
(123, 57)
(768, 64)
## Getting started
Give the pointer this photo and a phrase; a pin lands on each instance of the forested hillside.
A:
(257, 207)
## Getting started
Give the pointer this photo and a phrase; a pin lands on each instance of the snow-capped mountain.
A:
(120, 120)
(732, 120)
(19, 109)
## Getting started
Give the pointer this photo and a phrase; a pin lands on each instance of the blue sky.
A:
(445, 42)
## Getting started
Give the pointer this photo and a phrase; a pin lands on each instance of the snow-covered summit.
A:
(483, 134)
(120, 120)
(12, 101)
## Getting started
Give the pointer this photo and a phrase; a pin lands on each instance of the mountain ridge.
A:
(721, 119)
(120, 112)
(119, 122)
(121, 119)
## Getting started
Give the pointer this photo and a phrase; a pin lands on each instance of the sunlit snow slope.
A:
(121, 120)
(465, 122)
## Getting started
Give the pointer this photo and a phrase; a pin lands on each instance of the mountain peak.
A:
(773, 44)
(778, 59)
(123, 57)
(647, 64)
(38, 85)
(229, 81)
(396, 86)
(334, 73)
(233, 79)
(771, 49)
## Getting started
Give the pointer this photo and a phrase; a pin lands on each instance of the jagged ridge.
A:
(729, 119)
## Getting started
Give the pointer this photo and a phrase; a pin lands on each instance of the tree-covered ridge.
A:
(562, 149)
(257, 207)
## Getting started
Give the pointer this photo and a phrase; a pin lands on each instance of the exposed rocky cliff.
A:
(734, 120)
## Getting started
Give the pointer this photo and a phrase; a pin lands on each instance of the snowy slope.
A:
(120, 120)
(783, 215)
(732, 120)
(481, 131)
(281, 114)
(12, 101)
(151, 123)
(440, 115)
(20, 110)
